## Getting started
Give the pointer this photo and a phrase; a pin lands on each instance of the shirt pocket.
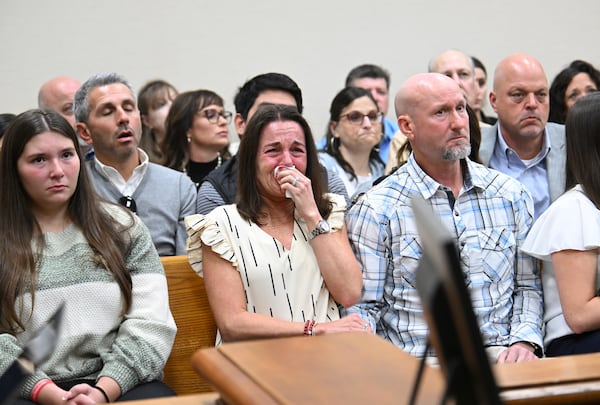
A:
(410, 254)
(492, 259)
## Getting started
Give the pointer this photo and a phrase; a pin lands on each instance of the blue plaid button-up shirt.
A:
(490, 219)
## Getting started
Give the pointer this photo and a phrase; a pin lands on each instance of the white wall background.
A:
(218, 45)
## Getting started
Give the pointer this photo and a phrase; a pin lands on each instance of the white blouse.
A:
(572, 222)
(281, 283)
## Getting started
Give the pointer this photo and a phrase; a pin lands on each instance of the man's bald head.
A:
(57, 95)
(458, 66)
(438, 62)
(432, 114)
(419, 88)
(520, 97)
(518, 65)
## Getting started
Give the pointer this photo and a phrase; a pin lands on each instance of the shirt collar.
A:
(427, 186)
(143, 157)
(115, 177)
(540, 156)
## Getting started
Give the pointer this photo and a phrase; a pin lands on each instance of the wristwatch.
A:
(322, 227)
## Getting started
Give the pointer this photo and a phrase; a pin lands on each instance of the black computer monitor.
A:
(453, 328)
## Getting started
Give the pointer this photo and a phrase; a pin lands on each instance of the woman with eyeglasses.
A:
(63, 245)
(196, 140)
(353, 135)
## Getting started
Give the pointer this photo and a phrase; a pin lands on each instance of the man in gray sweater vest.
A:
(108, 118)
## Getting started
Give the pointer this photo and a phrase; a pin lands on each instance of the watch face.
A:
(324, 226)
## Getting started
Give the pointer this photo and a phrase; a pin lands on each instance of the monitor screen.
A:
(453, 329)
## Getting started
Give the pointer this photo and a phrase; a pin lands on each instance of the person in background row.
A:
(107, 117)
(375, 80)
(5, 121)
(567, 238)
(480, 95)
(522, 143)
(154, 101)
(219, 187)
(57, 95)
(62, 245)
(570, 84)
(458, 66)
(276, 262)
(353, 133)
(488, 213)
(197, 132)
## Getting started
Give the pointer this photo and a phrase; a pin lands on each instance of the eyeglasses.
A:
(128, 202)
(212, 115)
(357, 118)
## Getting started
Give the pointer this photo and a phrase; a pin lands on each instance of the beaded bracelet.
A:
(309, 327)
(38, 388)
(103, 393)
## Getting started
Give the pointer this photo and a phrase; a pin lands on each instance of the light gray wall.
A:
(220, 44)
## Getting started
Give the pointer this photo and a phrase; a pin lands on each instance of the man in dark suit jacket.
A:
(522, 143)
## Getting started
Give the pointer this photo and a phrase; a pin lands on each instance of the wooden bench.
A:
(196, 327)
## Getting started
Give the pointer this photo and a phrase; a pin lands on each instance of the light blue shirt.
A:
(389, 130)
(490, 219)
(532, 174)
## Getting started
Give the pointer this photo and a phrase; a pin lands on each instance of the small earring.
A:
(189, 139)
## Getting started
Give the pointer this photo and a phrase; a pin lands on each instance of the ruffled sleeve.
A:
(336, 217)
(571, 223)
(205, 229)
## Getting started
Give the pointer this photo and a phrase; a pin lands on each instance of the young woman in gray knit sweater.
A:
(62, 244)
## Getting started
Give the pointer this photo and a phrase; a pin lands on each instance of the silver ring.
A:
(365, 326)
(295, 181)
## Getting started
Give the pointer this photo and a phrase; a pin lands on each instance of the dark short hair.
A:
(248, 199)
(249, 92)
(558, 89)
(370, 71)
